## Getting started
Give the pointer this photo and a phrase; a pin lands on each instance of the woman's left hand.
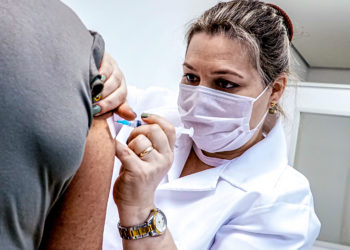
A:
(114, 91)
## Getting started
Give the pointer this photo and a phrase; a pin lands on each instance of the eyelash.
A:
(186, 76)
(224, 84)
(221, 83)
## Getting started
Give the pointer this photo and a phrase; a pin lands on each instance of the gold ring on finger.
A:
(146, 152)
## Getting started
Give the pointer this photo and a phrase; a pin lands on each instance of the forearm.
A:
(77, 222)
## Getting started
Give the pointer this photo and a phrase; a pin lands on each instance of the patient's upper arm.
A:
(77, 221)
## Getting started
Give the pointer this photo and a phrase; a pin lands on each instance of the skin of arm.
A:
(77, 221)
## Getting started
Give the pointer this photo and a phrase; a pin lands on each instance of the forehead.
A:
(218, 50)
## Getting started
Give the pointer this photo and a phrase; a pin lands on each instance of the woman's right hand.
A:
(139, 177)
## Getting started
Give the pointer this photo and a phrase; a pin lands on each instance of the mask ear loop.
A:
(261, 122)
(264, 116)
(262, 93)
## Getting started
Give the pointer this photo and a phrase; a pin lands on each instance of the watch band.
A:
(154, 225)
(135, 232)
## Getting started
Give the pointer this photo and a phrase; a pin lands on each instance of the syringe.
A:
(136, 123)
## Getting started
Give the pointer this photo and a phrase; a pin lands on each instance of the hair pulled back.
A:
(264, 29)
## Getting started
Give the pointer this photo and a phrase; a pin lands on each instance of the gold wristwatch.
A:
(155, 225)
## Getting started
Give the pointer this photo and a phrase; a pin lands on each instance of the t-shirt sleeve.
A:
(97, 52)
(278, 226)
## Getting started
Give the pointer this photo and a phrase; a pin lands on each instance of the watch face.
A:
(160, 222)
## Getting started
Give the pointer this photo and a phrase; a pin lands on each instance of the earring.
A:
(273, 108)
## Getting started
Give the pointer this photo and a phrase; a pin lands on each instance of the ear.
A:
(278, 87)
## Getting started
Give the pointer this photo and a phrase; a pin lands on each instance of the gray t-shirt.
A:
(47, 59)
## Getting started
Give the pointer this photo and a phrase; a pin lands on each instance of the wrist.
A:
(154, 225)
(133, 215)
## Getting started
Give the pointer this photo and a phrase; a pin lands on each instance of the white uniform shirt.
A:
(255, 201)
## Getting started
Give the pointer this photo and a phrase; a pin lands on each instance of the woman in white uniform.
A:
(229, 186)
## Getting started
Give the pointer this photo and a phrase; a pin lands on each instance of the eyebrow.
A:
(188, 66)
(227, 71)
(218, 72)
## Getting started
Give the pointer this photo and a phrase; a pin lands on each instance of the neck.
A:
(193, 165)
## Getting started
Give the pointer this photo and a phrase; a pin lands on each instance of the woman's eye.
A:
(190, 78)
(224, 84)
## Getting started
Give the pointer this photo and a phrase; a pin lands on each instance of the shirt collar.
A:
(182, 149)
(202, 181)
(259, 167)
(262, 164)
(205, 180)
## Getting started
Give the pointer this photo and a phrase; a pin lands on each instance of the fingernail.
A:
(96, 109)
(144, 115)
(97, 98)
(103, 78)
(134, 113)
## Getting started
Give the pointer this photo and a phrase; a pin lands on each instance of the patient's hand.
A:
(114, 91)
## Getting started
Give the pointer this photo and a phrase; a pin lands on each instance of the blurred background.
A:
(147, 40)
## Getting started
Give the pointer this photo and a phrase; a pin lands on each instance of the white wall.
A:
(322, 155)
(328, 75)
(145, 37)
(299, 67)
(319, 149)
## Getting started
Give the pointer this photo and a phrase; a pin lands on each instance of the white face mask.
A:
(220, 120)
